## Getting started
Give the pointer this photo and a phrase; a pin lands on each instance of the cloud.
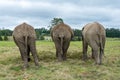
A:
(76, 13)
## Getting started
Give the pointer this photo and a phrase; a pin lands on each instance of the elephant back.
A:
(62, 29)
(24, 30)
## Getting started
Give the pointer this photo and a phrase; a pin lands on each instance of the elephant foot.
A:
(64, 58)
(60, 59)
(25, 66)
(36, 64)
(85, 58)
(98, 63)
(37, 67)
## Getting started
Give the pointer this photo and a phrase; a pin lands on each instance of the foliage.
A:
(41, 37)
(55, 21)
(5, 38)
(6, 32)
(77, 35)
(1, 38)
(50, 69)
(41, 32)
(77, 32)
(113, 32)
(77, 38)
(110, 32)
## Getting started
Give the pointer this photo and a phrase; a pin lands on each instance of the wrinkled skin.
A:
(61, 35)
(94, 35)
(24, 36)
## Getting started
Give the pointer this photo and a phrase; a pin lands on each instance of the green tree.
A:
(55, 21)
(6, 32)
(77, 35)
(41, 37)
(1, 38)
(5, 38)
(42, 32)
(37, 34)
(112, 32)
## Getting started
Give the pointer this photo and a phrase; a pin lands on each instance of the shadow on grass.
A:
(74, 55)
(49, 56)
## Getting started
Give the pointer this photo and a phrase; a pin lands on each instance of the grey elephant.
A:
(94, 35)
(61, 35)
(24, 36)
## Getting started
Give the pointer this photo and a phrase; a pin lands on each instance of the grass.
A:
(50, 69)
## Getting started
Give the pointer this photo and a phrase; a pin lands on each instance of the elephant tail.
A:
(101, 45)
(26, 42)
(61, 43)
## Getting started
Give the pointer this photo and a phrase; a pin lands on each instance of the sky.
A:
(75, 13)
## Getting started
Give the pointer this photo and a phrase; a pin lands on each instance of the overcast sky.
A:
(75, 13)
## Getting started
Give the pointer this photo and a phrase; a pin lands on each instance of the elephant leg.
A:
(65, 48)
(34, 52)
(102, 49)
(17, 43)
(93, 55)
(28, 53)
(95, 52)
(56, 53)
(58, 50)
(101, 54)
(23, 54)
(85, 47)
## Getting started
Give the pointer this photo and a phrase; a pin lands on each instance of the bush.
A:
(5, 38)
(76, 38)
(41, 37)
(1, 38)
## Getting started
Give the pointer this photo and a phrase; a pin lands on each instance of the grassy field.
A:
(50, 69)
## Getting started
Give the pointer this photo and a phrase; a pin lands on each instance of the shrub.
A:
(5, 38)
(1, 38)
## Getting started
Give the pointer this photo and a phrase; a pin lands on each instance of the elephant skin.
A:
(94, 35)
(61, 35)
(24, 36)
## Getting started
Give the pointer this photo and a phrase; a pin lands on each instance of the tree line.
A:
(41, 32)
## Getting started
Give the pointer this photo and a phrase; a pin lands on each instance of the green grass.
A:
(50, 69)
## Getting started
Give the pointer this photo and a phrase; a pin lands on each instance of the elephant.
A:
(24, 36)
(61, 35)
(94, 35)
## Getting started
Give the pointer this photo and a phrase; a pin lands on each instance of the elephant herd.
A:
(93, 34)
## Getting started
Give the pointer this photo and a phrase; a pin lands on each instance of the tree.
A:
(112, 32)
(41, 32)
(55, 21)
(77, 35)
(42, 37)
(6, 32)
(1, 38)
(5, 38)
(37, 35)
